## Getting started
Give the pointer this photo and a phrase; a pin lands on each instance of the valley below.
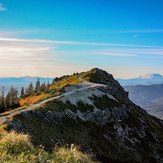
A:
(149, 97)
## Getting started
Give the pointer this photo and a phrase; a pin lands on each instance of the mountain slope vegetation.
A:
(16, 148)
(94, 112)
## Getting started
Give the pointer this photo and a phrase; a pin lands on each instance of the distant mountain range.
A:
(149, 97)
(146, 79)
(147, 92)
(20, 81)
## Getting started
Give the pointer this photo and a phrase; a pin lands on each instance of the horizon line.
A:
(17, 77)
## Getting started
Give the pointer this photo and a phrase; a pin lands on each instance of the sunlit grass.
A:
(16, 148)
(72, 154)
(73, 79)
(33, 99)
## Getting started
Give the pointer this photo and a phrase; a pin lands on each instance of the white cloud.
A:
(73, 43)
(35, 57)
(23, 58)
(2, 8)
(117, 54)
(110, 53)
(28, 58)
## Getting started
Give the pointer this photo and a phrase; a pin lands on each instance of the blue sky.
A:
(52, 38)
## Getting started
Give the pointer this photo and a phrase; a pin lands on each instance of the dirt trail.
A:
(84, 86)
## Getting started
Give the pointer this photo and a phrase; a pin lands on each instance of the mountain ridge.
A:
(93, 111)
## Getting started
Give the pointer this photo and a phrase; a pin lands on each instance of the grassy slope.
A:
(54, 90)
(18, 148)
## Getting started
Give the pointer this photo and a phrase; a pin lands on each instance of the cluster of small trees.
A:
(31, 90)
(12, 98)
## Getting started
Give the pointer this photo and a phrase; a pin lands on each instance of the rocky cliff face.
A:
(96, 114)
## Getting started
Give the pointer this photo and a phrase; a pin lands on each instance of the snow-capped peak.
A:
(150, 76)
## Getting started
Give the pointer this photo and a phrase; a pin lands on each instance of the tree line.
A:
(11, 100)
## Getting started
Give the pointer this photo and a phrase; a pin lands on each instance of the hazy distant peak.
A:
(150, 76)
(147, 79)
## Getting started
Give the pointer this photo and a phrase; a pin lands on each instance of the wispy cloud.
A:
(111, 53)
(36, 57)
(19, 32)
(18, 59)
(74, 43)
(2, 8)
(116, 52)
(135, 31)
(107, 49)
(130, 52)
(34, 62)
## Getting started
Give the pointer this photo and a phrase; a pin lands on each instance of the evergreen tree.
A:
(43, 87)
(30, 90)
(22, 93)
(2, 101)
(26, 91)
(38, 87)
(11, 99)
(47, 87)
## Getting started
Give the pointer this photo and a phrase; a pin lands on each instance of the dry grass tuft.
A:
(13, 143)
(16, 148)
(72, 155)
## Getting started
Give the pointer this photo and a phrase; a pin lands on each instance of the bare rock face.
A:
(100, 76)
(98, 116)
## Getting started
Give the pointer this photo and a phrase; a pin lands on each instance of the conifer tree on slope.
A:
(38, 87)
(11, 100)
(2, 101)
(22, 93)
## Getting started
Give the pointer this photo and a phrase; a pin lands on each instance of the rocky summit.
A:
(93, 111)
